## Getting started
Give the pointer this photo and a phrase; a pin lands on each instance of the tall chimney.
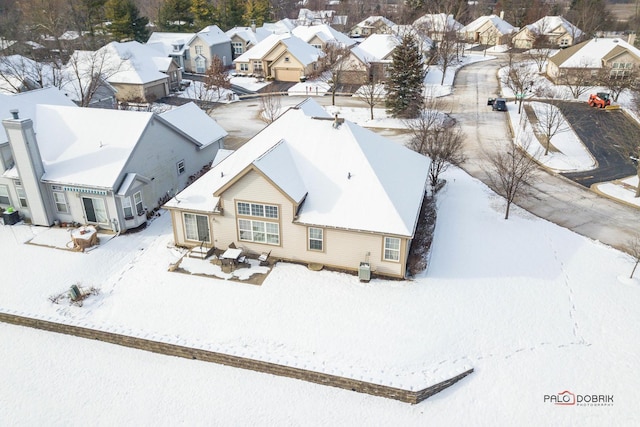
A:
(632, 39)
(253, 25)
(26, 155)
(502, 14)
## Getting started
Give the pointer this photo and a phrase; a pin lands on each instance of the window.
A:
(60, 201)
(95, 210)
(256, 209)
(180, 167)
(238, 48)
(287, 59)
(257, 65)
(315, 239)
(196, 227)
(198, 50)
(391, 249)
(137, 199)
(317, 46)
(127, 208)
(21, 195)
(259, 231)
(4, 195)
(244, 67)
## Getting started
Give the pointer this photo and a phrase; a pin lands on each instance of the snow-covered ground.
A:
(534, 308)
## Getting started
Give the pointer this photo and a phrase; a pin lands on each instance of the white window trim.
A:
(254, 207)
(257, 228)
(315, 239)
(180, 167)
(126, 204)
(137, 200)
(185, 215)
(22, 196)
(5, 193)
(391, 250)
(59, 203)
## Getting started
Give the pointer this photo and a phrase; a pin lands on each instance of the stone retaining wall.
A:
(409, 396)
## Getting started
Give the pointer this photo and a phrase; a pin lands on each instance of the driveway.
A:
(552, 197)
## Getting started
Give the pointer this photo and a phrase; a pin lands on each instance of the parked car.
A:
(499, 104)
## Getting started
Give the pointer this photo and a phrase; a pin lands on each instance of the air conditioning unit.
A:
(364, 272)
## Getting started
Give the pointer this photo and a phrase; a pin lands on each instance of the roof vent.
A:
(14, 113)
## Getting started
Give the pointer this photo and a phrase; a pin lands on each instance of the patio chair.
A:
(264, 258)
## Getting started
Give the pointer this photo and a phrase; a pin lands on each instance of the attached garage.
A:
(287, 74)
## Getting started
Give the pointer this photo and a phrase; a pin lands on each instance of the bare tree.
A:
(551, 121)
(540, 51)
(270, 107)
(511, 171)
(333, 66)
(437, 135)
(520, 79)
(20, 74)
(216, 76)
(578, 80)
(616, 80)
(87, 73)
(372, 91)
(633, 247)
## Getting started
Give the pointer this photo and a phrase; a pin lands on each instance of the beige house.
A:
(550, 31)
(592, 56)
(280, 57)
(209, 42)
(371, 58)
(319, 36)
(309, 188)
(372, 25)
(437, 26)
(488, 30)
(138, 72)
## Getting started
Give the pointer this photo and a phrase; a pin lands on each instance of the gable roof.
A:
(372, 20)
(376, 47)
(26, 103)
(548, 24)
(590, 53)
(302, 51)
(502, 26)
(168, 40)
(190, 119)
(438, 22)
(352, 178)
(129, 62)
(87, 146)
(283, 26)
(248, 34)
(213, 35)
(325, 32)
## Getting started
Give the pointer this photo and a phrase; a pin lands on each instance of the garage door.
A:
(287, 75)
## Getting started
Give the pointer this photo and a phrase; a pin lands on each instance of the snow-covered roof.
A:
(190, 119)
(213, 35)
(129, 62)
(353, 178)
(502, 26)
(325, 32)
(87, 146)
(372, 20)
(248, 35)
(549, 24)
(376, 47)
(26, 103)
(283, 26)
(438, 22)
(590, 53)
(169, 40)
(301, 50)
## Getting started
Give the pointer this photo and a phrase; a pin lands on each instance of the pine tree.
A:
(203, 13)
(406, 80)
(175, 15)
(231, 13)
(126, 22)
(256, 11)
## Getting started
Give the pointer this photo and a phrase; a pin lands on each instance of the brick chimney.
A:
(26, 155)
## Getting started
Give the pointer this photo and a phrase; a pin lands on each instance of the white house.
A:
(103, 167)
(309, 188)
(174, 45)
(552, 31)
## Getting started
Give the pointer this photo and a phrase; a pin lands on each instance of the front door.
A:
(95, 210)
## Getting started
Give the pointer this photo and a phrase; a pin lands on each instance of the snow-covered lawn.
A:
(534, 308)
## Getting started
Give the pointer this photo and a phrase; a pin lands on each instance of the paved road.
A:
(601, 131)
(552, 197)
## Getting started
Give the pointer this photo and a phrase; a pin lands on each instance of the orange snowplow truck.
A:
(600, 99)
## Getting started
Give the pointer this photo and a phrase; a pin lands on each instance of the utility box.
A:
(364, 272)
(11, 218)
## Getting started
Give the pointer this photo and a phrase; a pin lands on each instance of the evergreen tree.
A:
(406, 80)
(257, 11)
(175, 15)
(230, 13)
(126, 22)
(202, 11)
